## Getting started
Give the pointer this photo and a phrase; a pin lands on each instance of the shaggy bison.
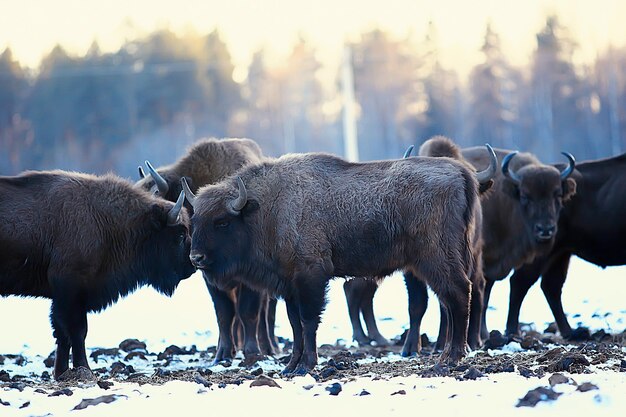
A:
(288, 225)
(520, 215)
(442, 147)
(591, 226)
(84, 241)
(206, 162)
(360, 292)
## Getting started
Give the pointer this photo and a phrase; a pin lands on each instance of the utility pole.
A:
(350, 140)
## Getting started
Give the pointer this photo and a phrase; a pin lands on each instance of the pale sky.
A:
(32, 27)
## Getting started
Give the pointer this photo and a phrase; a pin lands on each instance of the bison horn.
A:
(488, 174)
(570, 168)
(408, 152)
(505, 168)
(172, 215)
(191, 197)
(158, 179)
(142, 174)
(241, 200)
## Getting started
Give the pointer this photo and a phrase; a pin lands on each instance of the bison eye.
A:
(221, 223)
(523, 198)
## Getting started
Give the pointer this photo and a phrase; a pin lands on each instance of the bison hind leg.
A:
(452, 286)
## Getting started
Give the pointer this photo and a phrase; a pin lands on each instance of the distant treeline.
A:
(152, 98)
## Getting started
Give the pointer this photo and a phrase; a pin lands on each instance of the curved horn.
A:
(191, 197)
(158, 179)
(570, 168)
(172, 215)
(505, 168)
(408, 152)
(241, 200)
(488, 174)
(142, 174)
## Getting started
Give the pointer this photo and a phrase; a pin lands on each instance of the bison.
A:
(591, 226)
(288, 225)
(443, 147)
(207, 162)
(520, 215)
(84, 241)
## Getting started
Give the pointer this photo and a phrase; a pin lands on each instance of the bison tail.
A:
(469, 217)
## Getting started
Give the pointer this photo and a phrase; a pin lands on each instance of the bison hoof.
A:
(226, 363)
(251, 359)
(407, 354)
(580, 334)
(380, 342)
(80, 374)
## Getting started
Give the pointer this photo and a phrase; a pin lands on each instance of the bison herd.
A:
(259, 228)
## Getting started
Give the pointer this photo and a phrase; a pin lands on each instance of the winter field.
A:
(396, 386)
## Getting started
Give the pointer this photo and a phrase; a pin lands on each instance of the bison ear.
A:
(158, 217)
(569, 188)
(510, 188)
(483, 188)
(250, 207)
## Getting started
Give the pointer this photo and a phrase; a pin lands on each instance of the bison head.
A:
(167, 246)
(220, 241)
(540, 191)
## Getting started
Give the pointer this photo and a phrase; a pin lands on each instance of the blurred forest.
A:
(156, 95)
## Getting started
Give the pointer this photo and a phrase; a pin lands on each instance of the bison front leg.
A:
(367, 309)
(249, 308)
(225, 313)
(308, 301)
(69, 320)
(352, 289)
(293, 312)
(418, 301)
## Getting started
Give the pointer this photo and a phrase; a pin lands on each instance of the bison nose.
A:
(198, 259)
(544, 232)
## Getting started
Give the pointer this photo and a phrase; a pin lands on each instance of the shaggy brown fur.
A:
(84, 241)
(310, 217)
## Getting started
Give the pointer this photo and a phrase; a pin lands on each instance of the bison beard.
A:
(85, 241)
(289, 225)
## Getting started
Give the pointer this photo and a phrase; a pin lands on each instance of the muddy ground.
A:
(531, 355)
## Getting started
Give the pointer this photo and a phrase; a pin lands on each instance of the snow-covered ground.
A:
(592, 296)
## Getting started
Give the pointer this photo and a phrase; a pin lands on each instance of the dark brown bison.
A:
(206, 162)
(591, 226)
(360, 292)
(288, 225)
(443, 147)
(84, 241)
(520, 215)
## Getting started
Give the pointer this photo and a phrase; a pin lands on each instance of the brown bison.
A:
(520, 215)
(443, 147)
(288, 225)
(591, 226)
(206, 162)
(360, 292)
(84, 241)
